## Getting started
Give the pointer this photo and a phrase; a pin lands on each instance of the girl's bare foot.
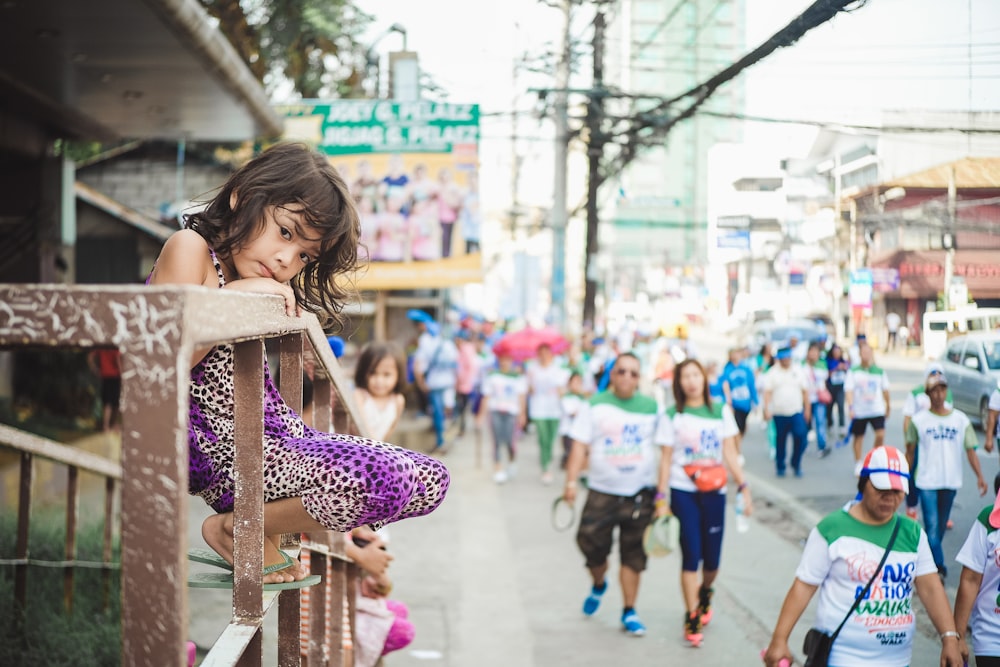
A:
(217, 530)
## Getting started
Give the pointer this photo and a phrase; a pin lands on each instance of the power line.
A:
(877, 129)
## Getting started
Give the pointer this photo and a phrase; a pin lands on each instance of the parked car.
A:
(972, 365)
(805, 331)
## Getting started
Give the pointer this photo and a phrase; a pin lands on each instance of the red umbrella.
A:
(523, 344)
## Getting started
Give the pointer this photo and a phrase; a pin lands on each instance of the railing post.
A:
(23, 522)
(290, 378)
(72, 509)
(156, 369)
(248, 510)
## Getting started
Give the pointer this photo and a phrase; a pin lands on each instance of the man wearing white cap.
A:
(942, 434)
(865, 560)
(786, 400)
(916, 401)
(977, 589)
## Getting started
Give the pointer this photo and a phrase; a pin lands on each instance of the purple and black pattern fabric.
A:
(344, 481)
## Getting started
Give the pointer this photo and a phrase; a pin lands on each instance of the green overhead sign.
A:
(350, 127)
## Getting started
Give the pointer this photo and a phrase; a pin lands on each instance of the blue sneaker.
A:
(632, 625)
(593, 600)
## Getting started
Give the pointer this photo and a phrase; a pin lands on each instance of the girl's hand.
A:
(268, 286)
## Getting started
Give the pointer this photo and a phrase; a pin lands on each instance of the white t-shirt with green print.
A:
(619, 437)
(981, 554)
(840, 556)
(696, 436)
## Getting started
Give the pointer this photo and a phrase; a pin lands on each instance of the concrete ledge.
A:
(414, 432)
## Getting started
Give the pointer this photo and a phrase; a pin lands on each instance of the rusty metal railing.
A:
(156, 329)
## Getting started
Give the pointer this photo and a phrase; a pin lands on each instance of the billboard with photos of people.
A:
(413, 170)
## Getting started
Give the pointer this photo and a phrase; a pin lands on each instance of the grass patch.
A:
(43, 633)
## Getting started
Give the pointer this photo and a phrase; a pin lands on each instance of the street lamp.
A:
(372, 59)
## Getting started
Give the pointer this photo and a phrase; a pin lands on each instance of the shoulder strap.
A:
(434, 358)
(864, 592)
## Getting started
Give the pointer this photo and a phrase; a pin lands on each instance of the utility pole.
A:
(557, 216)
(595, 150)
(948, 240)
(515, 158)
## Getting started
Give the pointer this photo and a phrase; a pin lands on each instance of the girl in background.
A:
(379, 387)
(285, 224)
(504, 391)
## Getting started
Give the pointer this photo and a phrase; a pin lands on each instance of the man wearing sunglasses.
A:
(613, 440)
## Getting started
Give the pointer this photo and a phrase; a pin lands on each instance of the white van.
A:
(941, 325)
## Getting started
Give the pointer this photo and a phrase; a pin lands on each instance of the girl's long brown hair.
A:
(291, 173)
(679, 398)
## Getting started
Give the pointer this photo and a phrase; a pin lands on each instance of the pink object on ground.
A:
(402, 631)
(192, 653)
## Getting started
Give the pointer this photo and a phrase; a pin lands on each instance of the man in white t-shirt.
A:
(916, 401)
(943, 434)
(892, 322)
(613, 439)
(786, 400)
(991, 430)
(866, 390)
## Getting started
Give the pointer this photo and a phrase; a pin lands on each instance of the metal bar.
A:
(248, 510)
(337, 635)
(290, 371)
(155, 367)
(109, 504)
(72, 509)
(235, 639)
(54, 451)
(322, 410)
(317, 610)
(23, 521)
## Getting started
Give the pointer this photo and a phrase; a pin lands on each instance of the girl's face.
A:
(281, 250)
(382, 379)
(576, 385)
(692, 382)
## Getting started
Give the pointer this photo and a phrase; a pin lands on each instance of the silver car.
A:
(972, 366)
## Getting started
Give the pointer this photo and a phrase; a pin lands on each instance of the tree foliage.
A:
(309, 45)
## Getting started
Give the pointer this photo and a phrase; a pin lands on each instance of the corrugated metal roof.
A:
(970, 173)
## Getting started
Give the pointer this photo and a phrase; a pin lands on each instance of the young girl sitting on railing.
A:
(285, 224)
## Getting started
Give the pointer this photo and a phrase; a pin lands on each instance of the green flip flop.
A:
(225, 580)
(209, 557)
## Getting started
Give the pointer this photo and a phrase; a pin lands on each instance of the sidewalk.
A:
(490, 582)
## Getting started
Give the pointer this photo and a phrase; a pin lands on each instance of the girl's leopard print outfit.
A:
(344, 481)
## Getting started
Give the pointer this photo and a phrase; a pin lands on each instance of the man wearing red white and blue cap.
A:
(886, 468)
